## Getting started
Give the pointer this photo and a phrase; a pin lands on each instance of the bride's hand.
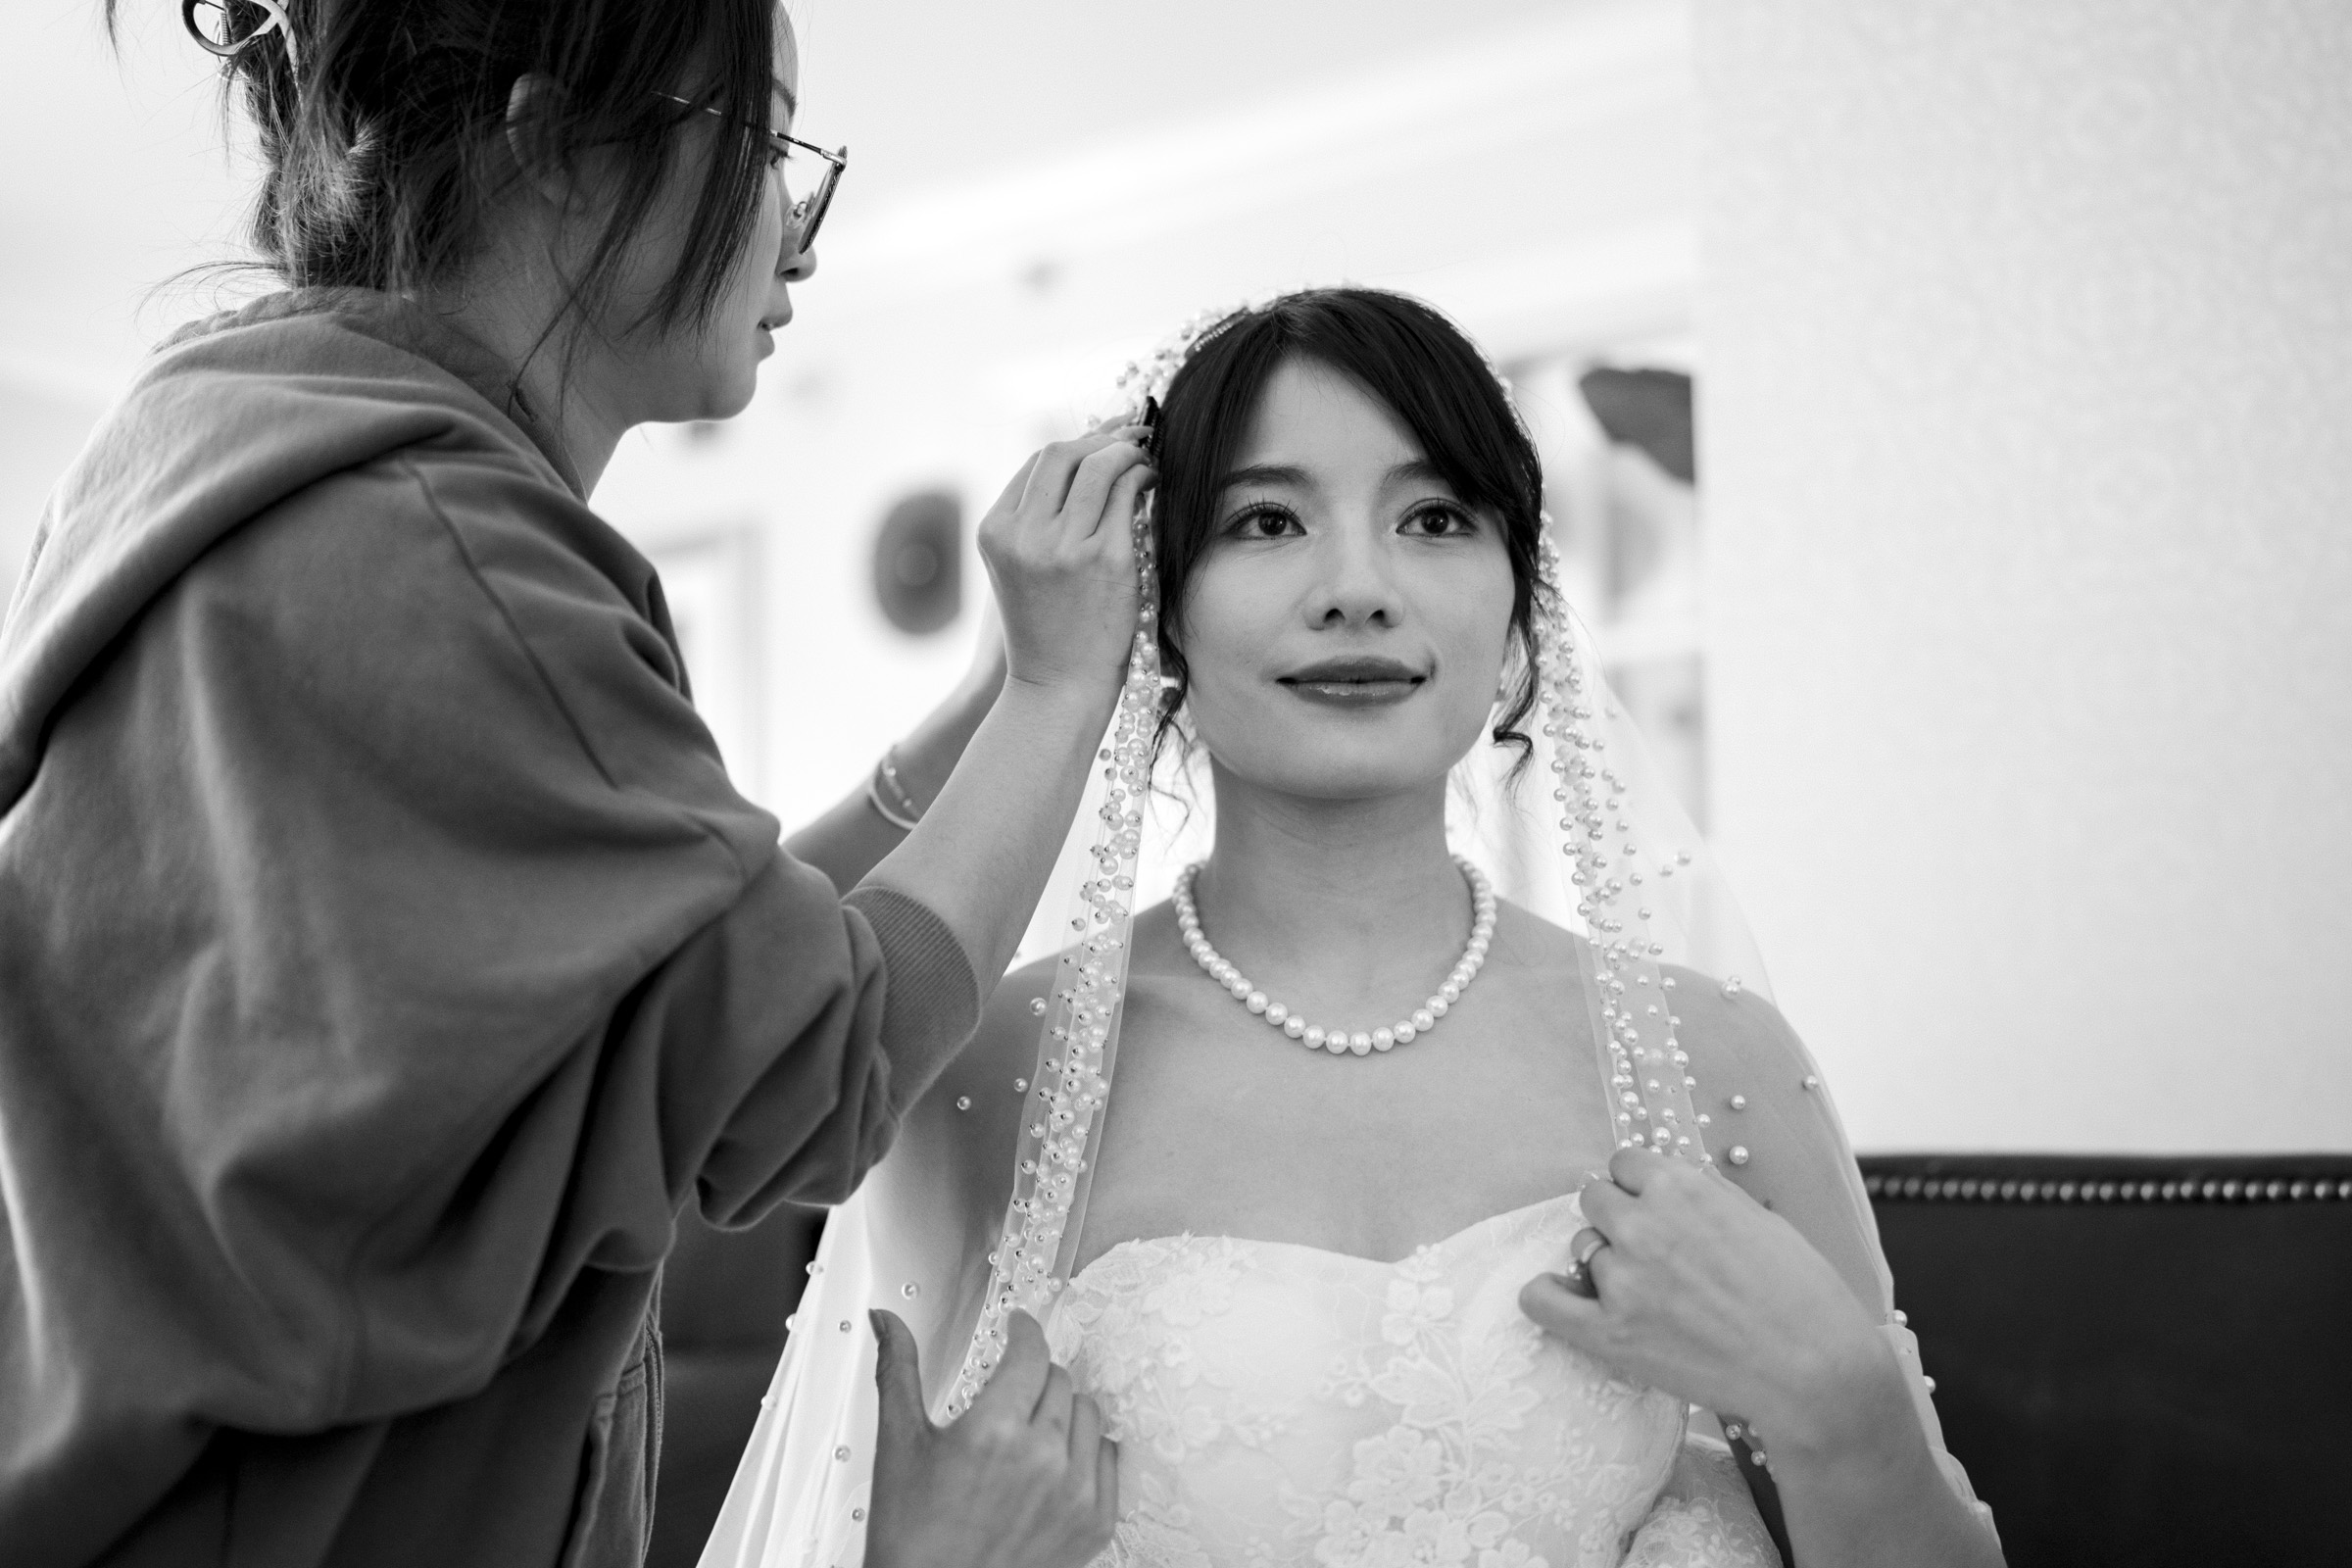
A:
(1706, 1294)
(1025, 1479)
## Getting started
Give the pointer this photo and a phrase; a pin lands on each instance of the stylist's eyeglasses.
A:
(801, 218)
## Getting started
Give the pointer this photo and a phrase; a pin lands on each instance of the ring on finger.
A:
(1582, 1248)
(1584, 1244)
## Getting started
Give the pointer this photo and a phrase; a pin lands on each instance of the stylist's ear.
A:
(534, 106)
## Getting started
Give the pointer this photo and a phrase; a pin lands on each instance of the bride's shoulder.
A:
(1522, 936)
(1010, 1022)
(1729, 1029)
(1760, 1089)
(1774, 1129)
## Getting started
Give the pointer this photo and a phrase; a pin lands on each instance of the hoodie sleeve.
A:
(395, 949)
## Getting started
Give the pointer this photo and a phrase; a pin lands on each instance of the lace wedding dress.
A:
(1280, 1404)
(1276, 1403)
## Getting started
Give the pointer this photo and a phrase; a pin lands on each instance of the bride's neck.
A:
(1336, 888)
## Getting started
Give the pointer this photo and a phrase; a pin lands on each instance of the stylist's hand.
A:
(1059, 548)
(1025, 1479)
(1706, 1294)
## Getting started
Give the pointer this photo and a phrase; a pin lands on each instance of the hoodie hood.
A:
(230, 417)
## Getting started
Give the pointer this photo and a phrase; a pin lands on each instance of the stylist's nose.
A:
(798, 266)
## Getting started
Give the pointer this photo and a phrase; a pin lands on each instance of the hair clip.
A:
(1152, 427)
(279, 23)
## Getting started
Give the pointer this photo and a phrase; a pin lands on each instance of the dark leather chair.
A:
(2140, 1361)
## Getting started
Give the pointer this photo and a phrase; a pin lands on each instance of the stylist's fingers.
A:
(1088, 504)
(1093, 1462)
(1106, 1485)
(1085, 1437)
(1054, 1402)
(1021, 1375)
(1126, 498)
(898, 1375)
(1047, 491)
(1009, 500)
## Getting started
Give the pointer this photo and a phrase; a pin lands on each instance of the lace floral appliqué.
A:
(1279, 1405)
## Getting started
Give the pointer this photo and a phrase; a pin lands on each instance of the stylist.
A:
(385, 957)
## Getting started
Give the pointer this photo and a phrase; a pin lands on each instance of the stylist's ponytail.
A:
(380, 123)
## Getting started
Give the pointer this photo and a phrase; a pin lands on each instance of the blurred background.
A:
(1943, 406)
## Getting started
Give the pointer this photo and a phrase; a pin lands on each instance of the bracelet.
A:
(885, 776)
(905, 824)
(888, 767)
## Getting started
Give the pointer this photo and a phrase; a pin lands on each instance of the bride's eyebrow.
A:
(1419, 470)
(1265, 473)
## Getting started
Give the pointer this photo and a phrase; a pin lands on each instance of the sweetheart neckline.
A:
(1574, 1198)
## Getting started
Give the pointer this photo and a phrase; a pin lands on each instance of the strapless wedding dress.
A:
(1280, 1404)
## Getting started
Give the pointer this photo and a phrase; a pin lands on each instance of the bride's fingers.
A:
(1557, 1308)
(1634, 1168)
(1606, 1205)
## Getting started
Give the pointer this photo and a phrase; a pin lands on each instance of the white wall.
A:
(2025, 400)
(41, 428)
(1532, 174)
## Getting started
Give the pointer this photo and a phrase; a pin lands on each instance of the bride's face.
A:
(1346, 625)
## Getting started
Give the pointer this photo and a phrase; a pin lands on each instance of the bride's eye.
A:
(1440, 520)
(1264, 522)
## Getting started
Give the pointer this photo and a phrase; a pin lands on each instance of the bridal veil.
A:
(1635, 882)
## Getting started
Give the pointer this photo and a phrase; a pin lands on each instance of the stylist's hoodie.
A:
(384, 957)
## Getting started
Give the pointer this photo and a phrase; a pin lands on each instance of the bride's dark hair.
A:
(1410, 357)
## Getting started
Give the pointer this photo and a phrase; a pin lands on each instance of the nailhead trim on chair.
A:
(2012, 1189)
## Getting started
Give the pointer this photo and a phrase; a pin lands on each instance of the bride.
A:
(1407, 1237)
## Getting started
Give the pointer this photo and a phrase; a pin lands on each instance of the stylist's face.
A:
(685, 372)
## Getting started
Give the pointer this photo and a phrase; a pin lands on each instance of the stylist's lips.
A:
(1358, 681)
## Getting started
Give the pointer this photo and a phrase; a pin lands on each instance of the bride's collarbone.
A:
(1221, 1125)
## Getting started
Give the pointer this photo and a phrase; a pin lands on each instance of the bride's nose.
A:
(1357, 587)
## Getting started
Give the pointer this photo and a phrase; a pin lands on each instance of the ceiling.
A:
(121, 175)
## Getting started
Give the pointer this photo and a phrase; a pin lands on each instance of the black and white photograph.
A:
(1666, 684)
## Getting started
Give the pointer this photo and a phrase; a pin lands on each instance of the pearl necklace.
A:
(1340, 1041)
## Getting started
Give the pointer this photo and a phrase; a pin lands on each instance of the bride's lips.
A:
(1362, 680)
